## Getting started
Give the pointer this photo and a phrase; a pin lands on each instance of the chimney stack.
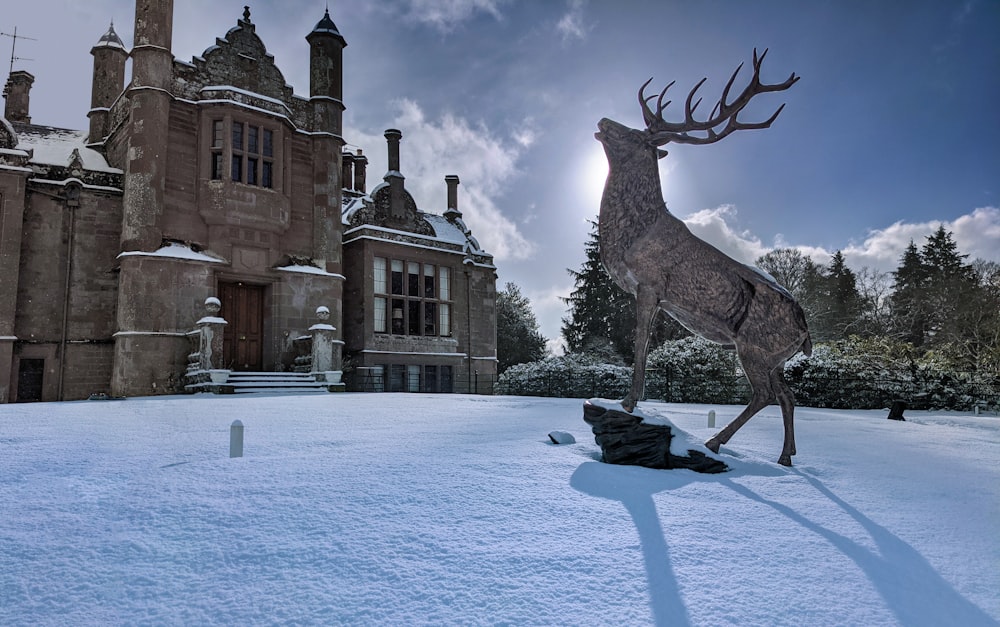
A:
(16, 93)
(452, 181)
(360, 163)
(394, 177)
(347, 170)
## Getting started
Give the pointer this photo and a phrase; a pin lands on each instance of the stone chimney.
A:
(347, 170)
(452, 181)
(360, 163)
(16, 93)
(394, 177)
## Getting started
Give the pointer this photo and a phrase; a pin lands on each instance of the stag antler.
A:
(662, 132)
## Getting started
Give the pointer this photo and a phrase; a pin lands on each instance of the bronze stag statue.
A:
(652, 255)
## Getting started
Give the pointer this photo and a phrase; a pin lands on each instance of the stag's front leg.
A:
(646, 307)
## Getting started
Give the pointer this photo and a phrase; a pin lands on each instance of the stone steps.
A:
(267, 383)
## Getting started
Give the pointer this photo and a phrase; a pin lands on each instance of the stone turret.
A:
(145, 170)
(108, 81)
(143, 202)
(16, 92)
(326, 93)
(326, 74)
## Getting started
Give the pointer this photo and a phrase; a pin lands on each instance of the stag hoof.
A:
(712, 445)
(785, 460)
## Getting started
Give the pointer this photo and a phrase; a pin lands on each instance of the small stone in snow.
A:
(561, 437)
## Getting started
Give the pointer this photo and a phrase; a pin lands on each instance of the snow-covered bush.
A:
(858, 373)
(870, 373)
(695, 370)
(568, 376)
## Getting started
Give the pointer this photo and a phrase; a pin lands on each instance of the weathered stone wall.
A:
(294, 299)
(88, 369)
(89, 313)
(159, 301)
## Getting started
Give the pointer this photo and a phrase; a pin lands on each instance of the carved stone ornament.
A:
(651, 254)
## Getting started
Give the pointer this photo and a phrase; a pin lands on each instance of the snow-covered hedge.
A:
(695, 370)
(856, 373)
(568, 376)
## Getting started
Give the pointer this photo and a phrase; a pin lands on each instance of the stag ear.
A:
(660, 153)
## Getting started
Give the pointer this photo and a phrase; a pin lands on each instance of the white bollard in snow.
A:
(236, 439)
(711, 418)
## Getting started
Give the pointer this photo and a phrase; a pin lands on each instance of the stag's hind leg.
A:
(761, 397)
(786, 400)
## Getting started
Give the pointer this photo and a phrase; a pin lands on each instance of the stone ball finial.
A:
(212, 305)
(323, 313)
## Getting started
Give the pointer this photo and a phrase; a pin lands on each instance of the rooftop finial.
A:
(246, 13)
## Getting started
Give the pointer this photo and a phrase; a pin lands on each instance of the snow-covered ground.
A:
(397, 509)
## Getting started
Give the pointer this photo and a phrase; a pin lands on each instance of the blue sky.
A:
(892, 130)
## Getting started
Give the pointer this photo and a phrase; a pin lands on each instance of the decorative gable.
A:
(239, 60)
(379, 213)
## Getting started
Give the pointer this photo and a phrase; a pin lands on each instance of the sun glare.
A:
(592, 174)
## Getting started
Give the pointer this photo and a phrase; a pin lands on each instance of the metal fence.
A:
(963, 391)
(374, 381)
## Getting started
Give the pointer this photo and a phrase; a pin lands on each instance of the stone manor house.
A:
(211, 223)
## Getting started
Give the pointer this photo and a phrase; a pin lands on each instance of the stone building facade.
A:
(211, 179)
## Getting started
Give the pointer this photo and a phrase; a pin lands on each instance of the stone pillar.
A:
(211, 329)
(326, 359)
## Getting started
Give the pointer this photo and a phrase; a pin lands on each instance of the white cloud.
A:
(485, 164)
(977, 235)
(445, 15)
(572, 25)
(713, 226)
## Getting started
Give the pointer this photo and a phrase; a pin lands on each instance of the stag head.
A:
(722, 121)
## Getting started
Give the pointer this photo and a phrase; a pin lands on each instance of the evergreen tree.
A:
(841, 302)
(518, 338)
(908, 305)
(951, 294)
(601, 320)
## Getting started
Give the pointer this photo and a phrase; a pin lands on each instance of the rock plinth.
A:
(625, 439)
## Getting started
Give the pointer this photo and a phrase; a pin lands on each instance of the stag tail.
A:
(807, 346)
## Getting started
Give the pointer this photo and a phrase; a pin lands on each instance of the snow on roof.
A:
(445, 229)
(54, 146)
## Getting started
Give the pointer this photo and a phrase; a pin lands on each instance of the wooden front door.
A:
(243, 339)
